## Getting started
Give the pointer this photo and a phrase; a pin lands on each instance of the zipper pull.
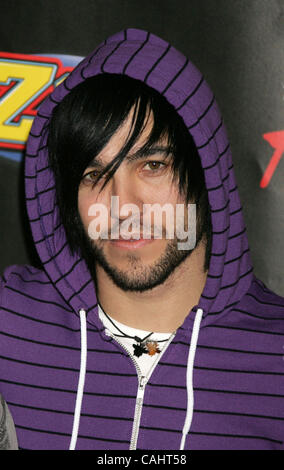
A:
(142, 383)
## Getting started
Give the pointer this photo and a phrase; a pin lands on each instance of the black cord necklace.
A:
(143, 346)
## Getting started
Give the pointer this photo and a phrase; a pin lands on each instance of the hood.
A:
(146, 57)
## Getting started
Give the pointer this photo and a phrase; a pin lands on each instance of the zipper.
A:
(138, 412)
(142, 381)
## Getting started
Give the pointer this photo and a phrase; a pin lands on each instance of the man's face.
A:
(141, 264)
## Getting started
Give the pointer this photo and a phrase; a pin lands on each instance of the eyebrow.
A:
(141, 153)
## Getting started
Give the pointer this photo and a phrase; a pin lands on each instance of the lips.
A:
(131, 243)
(133, 238)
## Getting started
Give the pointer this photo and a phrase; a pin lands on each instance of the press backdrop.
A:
(237, 44)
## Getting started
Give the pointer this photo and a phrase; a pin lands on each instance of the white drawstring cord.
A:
(80, 390)
(189, 376)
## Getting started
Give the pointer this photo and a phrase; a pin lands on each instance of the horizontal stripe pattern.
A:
(238, 376)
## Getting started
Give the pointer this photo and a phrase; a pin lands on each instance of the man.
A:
(142, 344)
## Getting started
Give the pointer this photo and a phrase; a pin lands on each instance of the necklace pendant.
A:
(139, 349)
(152, 347)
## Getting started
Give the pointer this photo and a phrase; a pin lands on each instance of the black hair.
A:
(85, 120)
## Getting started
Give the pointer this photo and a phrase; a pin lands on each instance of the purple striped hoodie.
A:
(65, 379)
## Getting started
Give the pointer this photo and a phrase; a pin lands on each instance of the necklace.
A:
(142, 345)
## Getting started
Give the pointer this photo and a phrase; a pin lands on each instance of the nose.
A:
(125, 200)
(125, 187)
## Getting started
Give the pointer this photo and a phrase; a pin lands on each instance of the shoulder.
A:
(263, 307)
(23, 273)
(259, 294)
(22, 277)
(24, 287)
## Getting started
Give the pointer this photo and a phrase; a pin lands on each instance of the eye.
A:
(90, 177)
(154, 166)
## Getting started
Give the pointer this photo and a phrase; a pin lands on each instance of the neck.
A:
(161, 309)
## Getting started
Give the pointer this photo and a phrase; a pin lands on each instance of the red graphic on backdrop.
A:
(276, 140)
(5, 88)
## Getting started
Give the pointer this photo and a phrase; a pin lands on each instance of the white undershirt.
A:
(145, 361)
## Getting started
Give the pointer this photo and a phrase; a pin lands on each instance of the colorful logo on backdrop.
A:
(25, 81)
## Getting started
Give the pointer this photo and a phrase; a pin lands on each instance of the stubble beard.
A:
(137, 277)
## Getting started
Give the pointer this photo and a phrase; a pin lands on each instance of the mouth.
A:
(132, 243)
